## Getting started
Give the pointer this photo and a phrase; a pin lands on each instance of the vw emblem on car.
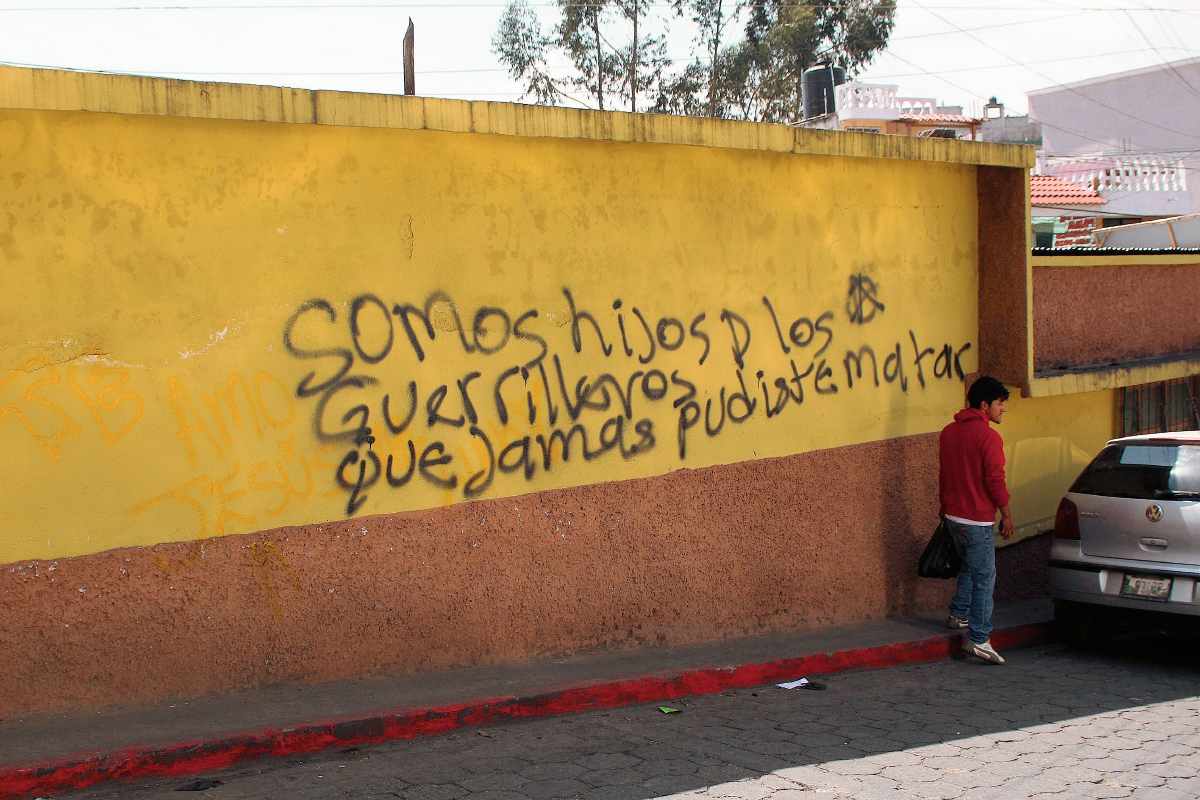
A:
(1154, 512)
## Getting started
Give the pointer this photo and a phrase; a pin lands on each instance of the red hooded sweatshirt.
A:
(972, 468)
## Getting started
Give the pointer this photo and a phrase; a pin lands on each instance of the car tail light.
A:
(1066, 521)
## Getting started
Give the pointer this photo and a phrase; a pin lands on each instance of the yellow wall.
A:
(152, 265)
(1047, 443)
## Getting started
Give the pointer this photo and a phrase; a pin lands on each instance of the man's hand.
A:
(1006, 524)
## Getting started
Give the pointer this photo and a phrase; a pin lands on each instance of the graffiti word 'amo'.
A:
(225, 410)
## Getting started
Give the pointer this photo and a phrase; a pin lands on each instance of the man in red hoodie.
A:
(972, 489)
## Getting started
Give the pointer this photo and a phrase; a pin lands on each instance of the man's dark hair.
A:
(986, 390)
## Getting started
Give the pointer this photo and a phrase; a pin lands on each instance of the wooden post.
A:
(633, 73)
(410, 63)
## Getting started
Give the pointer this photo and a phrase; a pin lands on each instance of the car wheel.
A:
(1082, 626)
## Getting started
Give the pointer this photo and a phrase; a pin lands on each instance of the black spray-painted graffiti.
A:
(570, 416)
(861, 303)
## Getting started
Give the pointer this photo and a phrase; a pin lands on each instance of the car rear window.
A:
(1143, 471)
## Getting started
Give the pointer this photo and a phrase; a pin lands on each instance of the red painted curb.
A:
(77, 772)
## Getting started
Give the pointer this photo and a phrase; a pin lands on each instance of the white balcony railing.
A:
(871, 96)
(1119, 173)
(879, 101)
(916, 105)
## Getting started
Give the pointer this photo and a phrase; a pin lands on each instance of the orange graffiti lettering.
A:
(182, 405)
(180, 494)
(278, 486)
(51, 443)
(104, 401)
(213, 402)
(217, 489)
(284, 486)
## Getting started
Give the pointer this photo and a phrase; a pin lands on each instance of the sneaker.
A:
(954, 623)
(983, 651)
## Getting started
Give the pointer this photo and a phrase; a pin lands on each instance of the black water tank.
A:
(817, 89)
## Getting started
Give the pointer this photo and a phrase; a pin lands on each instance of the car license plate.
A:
(1147, 587)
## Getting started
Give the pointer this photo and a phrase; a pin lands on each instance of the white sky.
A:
(960, 51)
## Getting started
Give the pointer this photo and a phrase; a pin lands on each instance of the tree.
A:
(522, 48)
(712, 18)
(756, 78)
(581, 35)
(602, 64)
(786, 37)
(644, 59)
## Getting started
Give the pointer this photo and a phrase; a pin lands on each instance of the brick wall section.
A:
(1003, 274)
(1085, 316)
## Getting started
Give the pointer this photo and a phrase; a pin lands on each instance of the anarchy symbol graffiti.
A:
(861, 303)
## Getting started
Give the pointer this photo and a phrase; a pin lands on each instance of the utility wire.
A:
(661, 3)
(1168, 30)
(1038, 21)
(1071, 89)
(1014, 66)
(564, 67)
(949, 82)
(1146, 149)
(170, 72)
(1161, 57)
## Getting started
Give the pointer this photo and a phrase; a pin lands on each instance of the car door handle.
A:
(1152, 543)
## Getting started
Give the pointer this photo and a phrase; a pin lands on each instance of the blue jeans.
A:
(976, 544)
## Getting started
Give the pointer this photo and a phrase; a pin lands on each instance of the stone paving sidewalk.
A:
(1150, 752)
(1053, 721)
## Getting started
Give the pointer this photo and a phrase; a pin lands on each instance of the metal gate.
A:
(1160, 407)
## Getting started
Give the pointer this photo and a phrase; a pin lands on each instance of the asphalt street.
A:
(1053, 722)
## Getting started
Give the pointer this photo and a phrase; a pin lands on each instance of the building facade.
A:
(879, 108)
(1063, 214)
(1132, 136)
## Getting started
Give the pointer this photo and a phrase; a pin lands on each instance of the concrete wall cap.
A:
(64, 90)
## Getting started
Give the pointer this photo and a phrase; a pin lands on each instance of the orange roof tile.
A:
(1047, 190)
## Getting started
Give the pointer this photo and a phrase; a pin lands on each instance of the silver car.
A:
(1127, 537)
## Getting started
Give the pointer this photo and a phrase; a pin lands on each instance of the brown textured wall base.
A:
(783, 544)
(1095, 315)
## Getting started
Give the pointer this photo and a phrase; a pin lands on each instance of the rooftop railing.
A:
(1119, 173)
(879, 101)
